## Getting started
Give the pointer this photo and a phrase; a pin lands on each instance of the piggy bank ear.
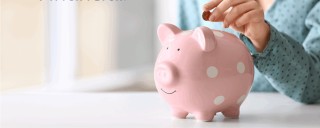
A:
(166, 32)
(205, 38)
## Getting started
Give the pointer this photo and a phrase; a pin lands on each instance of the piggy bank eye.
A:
(167, 48)
(178, 49)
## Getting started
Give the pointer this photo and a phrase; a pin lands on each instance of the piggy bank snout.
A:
(166, 73)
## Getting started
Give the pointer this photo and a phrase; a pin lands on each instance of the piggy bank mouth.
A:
(168, 92)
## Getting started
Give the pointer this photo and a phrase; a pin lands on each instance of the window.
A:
(23, 33)
(80, 45)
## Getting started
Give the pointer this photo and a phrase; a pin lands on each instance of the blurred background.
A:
(80, 45)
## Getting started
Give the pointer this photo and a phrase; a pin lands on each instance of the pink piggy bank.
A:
(202, 72)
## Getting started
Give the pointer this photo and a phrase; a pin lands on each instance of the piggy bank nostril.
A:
(166, 73)
(162, 75)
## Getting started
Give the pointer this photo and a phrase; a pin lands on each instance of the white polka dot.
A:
(240, 67)
(218, 34)
(241, 99)
(218, 100)
(212, 71)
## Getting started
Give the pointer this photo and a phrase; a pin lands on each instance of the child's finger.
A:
(239, 10)
(224, 6)
(251, 16)
(238, 29)
(212, 4)
(222, 17)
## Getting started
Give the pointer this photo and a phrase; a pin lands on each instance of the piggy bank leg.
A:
(205, 116)
(177, 113)
(232, 112)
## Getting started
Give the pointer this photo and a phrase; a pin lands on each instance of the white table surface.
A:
(143, 110)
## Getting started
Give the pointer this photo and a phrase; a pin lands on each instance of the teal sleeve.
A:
(188, 16)
(292, 67)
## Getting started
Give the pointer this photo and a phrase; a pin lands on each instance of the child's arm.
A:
(291, 68)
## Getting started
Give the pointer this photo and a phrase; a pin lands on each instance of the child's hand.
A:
(245, 16)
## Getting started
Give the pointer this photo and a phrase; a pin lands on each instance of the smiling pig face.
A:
(202, 71)
(180, 56)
